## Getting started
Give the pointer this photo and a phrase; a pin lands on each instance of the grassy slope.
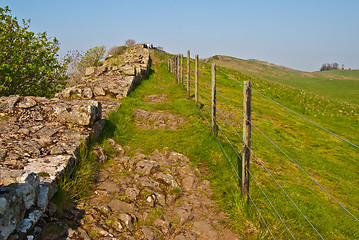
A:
(322, 83)
(331, 162)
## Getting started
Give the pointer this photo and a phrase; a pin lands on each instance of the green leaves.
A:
(28, 61)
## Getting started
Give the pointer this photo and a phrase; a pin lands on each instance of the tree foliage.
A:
(328, 66)
(130, 42)
(28, 61)
(116, 50)
(92, 57)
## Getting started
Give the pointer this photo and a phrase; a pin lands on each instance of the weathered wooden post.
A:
(188, 74)
(246, 151)
(178, 68)
(175, 67)
(182, 69)
(171, 64)
(196, 81)
(214, 93)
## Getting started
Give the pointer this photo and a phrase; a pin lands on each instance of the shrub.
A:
(92, 57)
(116, 50)
(130, 42)
(28, 61)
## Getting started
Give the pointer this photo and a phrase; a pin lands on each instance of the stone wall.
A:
(40, 138)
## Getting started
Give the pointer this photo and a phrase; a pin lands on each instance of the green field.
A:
(342, 85)
(331, 162)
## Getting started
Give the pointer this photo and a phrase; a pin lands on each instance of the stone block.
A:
(84, 113)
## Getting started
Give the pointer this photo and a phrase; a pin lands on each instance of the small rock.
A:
(84, 234)
(163, 225)
(167, 178)
(118, 226)
(24, 131)
(57, 150)
(183, 213)
(27, 102)
(87, 93)
(101, 156)
(127, 220)
(187, 183)
(132, 193)
(204, 230)
(149, 182)
(151, 200)
(110, 186)
(98, 91)
(121, 206)
(149, 234)
(146, 166)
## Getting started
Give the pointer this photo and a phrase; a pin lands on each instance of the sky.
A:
(301, 34)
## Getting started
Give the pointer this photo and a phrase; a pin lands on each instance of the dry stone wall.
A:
(40, 138)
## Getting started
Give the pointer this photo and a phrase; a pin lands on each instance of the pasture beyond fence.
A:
(294, 212)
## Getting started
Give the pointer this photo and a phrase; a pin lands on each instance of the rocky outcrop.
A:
(40, 138)
(114, 81)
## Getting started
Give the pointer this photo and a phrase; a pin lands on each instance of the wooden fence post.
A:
(214, 93)
(196, 81)
(182, 69)
(188, 74)
(178, 68)
(246, 152)
(175, 62)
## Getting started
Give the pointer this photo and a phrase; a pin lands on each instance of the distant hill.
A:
(342, 85)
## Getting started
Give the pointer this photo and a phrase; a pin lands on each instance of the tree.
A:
(116, 50)
(92, 57)
(130, 42)
(28, 61)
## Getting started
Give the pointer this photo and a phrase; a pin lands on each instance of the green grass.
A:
(338, 84)
(193, 140)
(331, 162)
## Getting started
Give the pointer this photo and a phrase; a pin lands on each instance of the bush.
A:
(28, 61)
(91, 58)
(130, 42)
(116, 50)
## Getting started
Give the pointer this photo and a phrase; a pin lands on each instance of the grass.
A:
(326, 83)
(331, 162)
(79, 185)
(193, 140)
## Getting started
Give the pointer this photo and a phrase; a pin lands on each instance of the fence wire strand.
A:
(341, 205)
(239, 178)
(305, 217)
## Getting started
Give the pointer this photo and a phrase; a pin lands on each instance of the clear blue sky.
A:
(301, 34)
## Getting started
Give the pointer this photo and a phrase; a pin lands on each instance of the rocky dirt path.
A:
(155, 196)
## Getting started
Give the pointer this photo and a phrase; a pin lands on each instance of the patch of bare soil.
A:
(155, 99)
(158, 120)
(307, 75)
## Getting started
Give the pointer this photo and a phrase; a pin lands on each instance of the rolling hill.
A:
(338, 84)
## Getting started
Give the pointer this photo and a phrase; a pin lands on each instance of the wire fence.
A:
(230, 133)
